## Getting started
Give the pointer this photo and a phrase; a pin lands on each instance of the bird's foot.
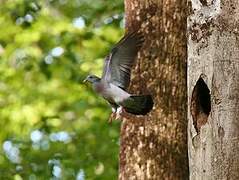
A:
(112, 117)
(117, 115)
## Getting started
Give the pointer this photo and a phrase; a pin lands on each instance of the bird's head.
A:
(91, 79)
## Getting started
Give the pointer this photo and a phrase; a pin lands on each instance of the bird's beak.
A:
(85, 80)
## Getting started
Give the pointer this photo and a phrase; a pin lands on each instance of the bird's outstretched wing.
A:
(118, 63)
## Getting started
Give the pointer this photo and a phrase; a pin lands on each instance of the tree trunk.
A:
(213, 89)
(155, 146)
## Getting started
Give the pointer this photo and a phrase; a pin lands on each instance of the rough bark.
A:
(213, 89)
(155, 146)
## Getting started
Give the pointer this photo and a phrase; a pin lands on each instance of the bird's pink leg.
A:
(116, 114)
(112, 117)
(119, 112)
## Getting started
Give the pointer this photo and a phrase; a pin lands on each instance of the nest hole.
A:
(200, 104)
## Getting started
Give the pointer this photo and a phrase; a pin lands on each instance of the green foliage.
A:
(53, 126)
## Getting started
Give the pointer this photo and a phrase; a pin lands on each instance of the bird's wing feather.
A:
(118, 63)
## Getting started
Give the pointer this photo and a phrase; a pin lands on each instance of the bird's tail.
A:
(138, 105)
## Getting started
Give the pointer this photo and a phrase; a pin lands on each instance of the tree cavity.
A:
(200, 104)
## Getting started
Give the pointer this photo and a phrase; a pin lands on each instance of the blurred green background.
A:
(52, 125)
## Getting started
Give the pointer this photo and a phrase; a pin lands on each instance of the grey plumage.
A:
(116, 77)
(119, 62)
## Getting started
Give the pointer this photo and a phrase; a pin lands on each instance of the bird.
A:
(115, 79)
